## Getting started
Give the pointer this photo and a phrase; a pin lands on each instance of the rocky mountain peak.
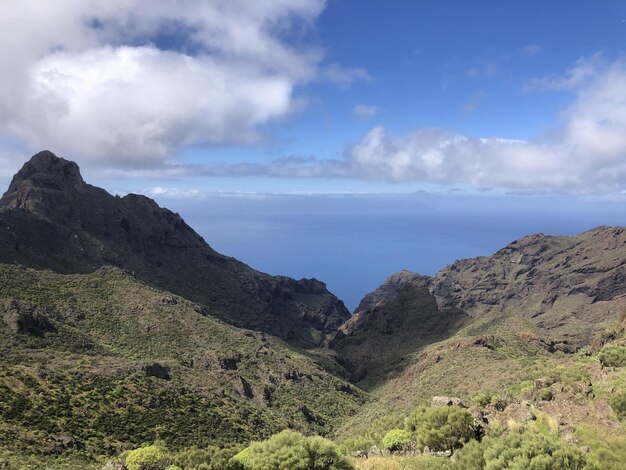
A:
(45, 172)
(391, 287)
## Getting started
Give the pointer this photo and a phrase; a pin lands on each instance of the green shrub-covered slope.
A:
(94, 364)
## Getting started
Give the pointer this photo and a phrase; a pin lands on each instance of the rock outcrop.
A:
(50, 218)
(567, 287)
(396, 319)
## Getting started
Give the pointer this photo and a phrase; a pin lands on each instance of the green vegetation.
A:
(290, 450)
(147, 458)
(397, 439)
(613, 355)
(618, 403)
(520, 450)
(116, 364)
(442, 428)
(209, 458)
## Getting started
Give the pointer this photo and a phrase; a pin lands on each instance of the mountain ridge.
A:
(50, 218)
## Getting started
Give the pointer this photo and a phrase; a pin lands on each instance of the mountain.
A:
(119, 325)
(92, 364)
(50, 218)
(507, 330)
(566, 287)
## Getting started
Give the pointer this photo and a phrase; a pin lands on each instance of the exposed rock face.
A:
(50, 218)
(566, 286)
(447, 401)
(396, 319)
(24, 319)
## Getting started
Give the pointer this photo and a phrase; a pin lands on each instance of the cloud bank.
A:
(586, 154)
(131, 81)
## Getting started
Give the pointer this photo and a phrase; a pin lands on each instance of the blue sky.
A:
(518, 106)
(320, 96)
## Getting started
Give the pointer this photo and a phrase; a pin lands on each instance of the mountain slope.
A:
(92, 364)
(567, 287)
(50, 218)
(393, 321)
(531, 312)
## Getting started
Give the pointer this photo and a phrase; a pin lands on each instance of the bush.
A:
(610, 457)
(481, 399)
(290, 450)
(397, 439)
(209, 458)
(519, 450)
(546, 395)
(147, 458)
(442, 428)
(613, 355)
(357, 444)
(618, 403)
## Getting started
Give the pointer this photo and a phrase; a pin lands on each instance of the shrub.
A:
(442, 428)
(546, 395)
(147, 458)
(610, 457)
(357, 444)
(613, 355)
(618, 403)
(481, 399)
(397, 439)
(520, 450)
(290, 450)
(209, 458)
(243, 458)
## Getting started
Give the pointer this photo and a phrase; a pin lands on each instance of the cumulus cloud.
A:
(587, 154)
(133, 80)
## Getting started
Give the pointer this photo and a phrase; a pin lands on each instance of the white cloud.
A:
(587, 155)
(362, 111)
(173, 193)
(133, 80)
(584, 70)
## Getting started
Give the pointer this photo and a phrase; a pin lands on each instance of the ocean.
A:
(353, 242)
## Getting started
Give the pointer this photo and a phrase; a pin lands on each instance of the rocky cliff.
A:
(396, 319)
(567, 287)
(556, 293)
(50, 218)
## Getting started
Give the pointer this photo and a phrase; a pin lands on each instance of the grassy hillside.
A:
(95, 364)
(505, 371)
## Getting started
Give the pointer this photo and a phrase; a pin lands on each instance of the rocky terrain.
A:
(50, 218)
(567, 287)
(394, 321)
(120, 326)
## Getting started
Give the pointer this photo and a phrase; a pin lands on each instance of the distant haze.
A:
(354, 242)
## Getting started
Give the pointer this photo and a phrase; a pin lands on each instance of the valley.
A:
(121, 329)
